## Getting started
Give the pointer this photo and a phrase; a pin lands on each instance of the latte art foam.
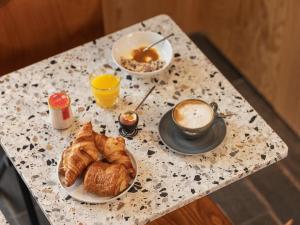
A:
(193, 114)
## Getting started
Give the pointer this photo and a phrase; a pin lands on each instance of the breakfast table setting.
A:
(112, 133)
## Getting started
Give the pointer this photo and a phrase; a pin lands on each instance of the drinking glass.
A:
(105, 89)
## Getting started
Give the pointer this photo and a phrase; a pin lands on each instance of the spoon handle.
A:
(150, 46)
(144, 98)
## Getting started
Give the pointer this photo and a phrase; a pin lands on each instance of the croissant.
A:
(79, 155)
(106, 179)
(113, 150)
(100, 140)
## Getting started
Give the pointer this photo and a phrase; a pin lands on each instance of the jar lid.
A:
(59, 100)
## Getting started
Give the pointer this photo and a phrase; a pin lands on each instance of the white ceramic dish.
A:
(77, 191)
(125, 45)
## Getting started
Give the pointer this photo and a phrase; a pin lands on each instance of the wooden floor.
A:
(201, 212)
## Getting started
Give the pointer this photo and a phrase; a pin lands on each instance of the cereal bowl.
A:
(126, 44)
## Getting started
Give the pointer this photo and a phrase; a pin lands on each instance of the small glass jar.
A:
(60, 110)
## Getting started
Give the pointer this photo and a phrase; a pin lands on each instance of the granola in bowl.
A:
(133, 65)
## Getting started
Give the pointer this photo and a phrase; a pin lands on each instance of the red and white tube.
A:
(60, 110)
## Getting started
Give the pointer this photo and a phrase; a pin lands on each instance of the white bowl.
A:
(125, 45)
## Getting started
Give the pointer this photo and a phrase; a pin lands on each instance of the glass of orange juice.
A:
(106, 89)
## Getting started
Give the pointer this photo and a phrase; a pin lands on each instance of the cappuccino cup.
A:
(194, 117)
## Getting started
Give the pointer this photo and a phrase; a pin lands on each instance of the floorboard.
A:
(281, 194)
(201, 212)
(239, 202)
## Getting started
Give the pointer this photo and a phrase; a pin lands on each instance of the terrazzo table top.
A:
(166, 180)
(2, 219)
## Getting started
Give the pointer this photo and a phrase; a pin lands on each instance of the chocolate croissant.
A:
(113, 149)
(106, 179)
(79, 155)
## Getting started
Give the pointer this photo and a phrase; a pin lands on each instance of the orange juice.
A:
(105, 88)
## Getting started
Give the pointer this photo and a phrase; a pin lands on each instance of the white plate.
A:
(125, 45)
(77, 191)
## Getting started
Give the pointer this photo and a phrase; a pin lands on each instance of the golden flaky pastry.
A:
(79, 155)
(106, 179)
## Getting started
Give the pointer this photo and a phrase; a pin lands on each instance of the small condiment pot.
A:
(60, 110)
(128, 122)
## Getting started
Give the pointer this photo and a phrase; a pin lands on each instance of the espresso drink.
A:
(193, 114)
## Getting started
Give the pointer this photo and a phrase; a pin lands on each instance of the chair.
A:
(10, 206)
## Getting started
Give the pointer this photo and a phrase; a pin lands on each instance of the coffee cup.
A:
(194, 117)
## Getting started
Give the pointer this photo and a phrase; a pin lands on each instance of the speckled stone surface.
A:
(166, 180)
(2, 219)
